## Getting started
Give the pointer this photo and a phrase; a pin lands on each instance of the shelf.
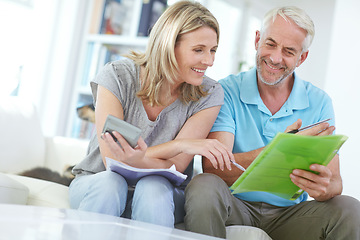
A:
(117, 40)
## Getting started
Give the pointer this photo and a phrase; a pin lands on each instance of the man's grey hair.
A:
(298, 15)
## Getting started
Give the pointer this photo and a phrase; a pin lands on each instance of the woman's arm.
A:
(190, 141)
(106, 104)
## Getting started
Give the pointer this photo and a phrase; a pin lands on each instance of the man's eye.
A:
(197, 50)
(288, 53)
(270, 44)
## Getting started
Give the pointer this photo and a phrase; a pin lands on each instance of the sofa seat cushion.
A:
(12, 191)
(22, 142)
(245, 232)
(44, 193)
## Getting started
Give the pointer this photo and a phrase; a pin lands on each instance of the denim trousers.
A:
(210, 207)
(154, 199)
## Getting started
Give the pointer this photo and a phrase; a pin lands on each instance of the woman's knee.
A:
(104, 185)
(108, 183)
(154, 186)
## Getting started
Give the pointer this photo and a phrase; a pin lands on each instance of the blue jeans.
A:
(154, 200)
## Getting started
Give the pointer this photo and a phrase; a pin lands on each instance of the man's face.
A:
(279, 51)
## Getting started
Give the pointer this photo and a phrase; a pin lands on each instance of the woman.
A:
(165, 93)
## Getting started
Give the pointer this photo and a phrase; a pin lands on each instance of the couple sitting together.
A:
(183, 113)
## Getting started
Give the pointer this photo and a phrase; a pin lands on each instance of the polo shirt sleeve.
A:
(225, 121)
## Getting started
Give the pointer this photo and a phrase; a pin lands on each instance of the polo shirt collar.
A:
(249, 94)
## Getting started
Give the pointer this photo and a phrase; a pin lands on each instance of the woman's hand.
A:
(122, 151)
(218, 154)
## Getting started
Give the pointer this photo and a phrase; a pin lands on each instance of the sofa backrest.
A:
(22, 144)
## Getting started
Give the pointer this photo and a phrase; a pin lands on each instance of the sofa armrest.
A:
(62, 152)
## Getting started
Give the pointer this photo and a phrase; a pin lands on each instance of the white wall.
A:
(343, 84)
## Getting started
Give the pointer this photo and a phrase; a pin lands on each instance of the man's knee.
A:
(202, 183)
(347, 207)
(205, 191)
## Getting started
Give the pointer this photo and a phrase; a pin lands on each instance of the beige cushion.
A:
(12, 191)
(22, 145)
(245, 232)
(45, 193)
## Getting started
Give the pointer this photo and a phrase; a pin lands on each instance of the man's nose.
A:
(276, 56)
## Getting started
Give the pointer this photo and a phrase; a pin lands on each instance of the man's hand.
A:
(321, 186)
(319, 130)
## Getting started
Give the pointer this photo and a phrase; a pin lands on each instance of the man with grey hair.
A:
(259, 103)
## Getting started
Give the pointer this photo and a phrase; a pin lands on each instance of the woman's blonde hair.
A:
(159, 60)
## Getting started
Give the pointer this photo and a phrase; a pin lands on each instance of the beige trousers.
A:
(210, 207)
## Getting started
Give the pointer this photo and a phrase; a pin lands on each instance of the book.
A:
(270, 171)
(133, 175)
(96, 15)
(113, 17)
(150, 12)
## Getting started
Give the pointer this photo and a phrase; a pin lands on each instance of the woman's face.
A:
(195, 52)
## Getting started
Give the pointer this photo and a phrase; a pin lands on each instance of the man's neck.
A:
(275, 96)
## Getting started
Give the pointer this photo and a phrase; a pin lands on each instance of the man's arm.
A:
(244, 159)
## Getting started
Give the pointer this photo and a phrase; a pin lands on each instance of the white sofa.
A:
(23, 146)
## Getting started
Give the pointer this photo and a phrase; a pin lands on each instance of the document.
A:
(270, 171)
(133, 175)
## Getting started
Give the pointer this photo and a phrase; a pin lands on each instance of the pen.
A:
(238, 165)
(309, 126)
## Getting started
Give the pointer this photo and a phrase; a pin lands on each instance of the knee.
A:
(154, 189)
(107, 185)
(204, 191)
(109, 180)
(205, 184)
(347, 207)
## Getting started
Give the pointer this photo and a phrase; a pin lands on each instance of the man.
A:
(259, 104)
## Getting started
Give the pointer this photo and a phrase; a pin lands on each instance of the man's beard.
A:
(284, 76)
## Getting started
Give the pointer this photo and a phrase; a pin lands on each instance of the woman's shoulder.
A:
(209, 83)
(124, 64)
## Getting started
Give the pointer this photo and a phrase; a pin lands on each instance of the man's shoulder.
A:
(313, 90)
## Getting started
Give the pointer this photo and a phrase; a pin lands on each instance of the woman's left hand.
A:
(122, 151)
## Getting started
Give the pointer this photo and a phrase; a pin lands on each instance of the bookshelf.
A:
(112, 28)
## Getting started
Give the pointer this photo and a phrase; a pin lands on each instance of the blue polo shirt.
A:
(245, 115)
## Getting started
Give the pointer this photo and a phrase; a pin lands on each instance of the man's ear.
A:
(303, 57)
(257, 40)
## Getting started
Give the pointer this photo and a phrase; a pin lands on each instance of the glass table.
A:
(24, 222)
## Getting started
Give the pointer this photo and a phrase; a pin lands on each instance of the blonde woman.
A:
(165, 93)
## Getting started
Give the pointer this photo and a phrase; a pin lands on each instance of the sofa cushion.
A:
(45, 193)
(12, 191)
(22, 142)
(245, 232)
